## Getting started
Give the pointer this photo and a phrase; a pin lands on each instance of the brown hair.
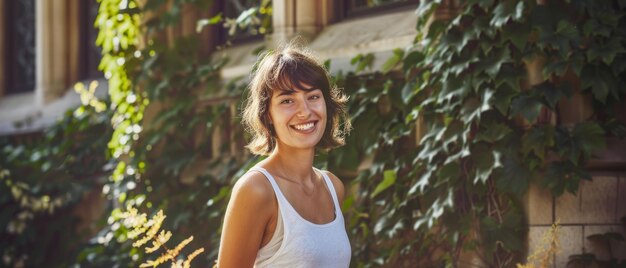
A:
(286, 70)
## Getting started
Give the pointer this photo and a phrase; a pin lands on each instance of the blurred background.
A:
(486, 133)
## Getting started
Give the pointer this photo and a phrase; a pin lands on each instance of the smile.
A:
(305, 127)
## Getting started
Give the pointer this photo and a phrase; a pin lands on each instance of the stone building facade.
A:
(336, 30)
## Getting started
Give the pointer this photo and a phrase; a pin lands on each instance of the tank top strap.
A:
(331, 188)
(279, 194)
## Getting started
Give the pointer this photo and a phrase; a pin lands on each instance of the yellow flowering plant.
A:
(542, 255)
(144, 230)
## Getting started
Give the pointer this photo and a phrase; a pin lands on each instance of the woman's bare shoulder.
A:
(337, 183)
(255, 187)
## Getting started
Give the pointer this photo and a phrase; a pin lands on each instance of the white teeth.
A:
(304, 126)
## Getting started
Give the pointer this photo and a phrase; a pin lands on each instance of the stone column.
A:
(74, 38)
(293, 18)
(52, 50)
(207, 38)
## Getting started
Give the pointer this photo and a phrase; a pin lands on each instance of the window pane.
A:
(20, 46)
(89, 53)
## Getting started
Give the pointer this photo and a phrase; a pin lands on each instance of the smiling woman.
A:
(289, 71)
(284, 212)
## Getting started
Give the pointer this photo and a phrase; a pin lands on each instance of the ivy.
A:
(43, 181)
(447, 136)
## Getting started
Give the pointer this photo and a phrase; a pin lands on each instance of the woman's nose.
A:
(304, 111)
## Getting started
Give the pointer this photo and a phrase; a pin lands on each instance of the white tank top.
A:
(298, 242)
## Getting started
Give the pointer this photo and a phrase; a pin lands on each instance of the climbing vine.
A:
(44, 179)
(448, 134)
(467, 128)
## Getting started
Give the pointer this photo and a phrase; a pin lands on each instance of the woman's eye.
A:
(286, 101)
(314, 97)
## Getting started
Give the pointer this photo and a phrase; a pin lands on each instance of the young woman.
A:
(284, 212)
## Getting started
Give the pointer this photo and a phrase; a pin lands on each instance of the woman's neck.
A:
(295, 163)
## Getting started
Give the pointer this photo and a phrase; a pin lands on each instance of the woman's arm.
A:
(247, 214)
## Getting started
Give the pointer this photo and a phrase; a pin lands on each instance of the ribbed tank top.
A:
(298, 242)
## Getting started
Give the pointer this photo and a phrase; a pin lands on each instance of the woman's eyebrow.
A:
(291, 92)
(286, 92)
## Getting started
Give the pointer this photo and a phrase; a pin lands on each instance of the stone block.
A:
(595, 202)
(571, 242)
(601, 250)
(538, 206)
(536, 242)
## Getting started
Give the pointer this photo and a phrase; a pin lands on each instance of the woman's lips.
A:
(306, 128)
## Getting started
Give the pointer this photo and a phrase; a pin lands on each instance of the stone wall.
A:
(597, 208)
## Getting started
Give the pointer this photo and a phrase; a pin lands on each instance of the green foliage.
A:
(606, 242)
(456, 189)
(256, 20)
(161, 164)
(486, 139)
(43, 179)
(416, 202)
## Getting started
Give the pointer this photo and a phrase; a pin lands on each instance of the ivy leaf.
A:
(562, 40)
(550, 93)
(452, 88)
(367, 61)
(607, 51)
(493, 61)
(513, 177)
(421, 184)
(619, 64)
(566, 146)
(362, 61)
(590, 136)
(412, 60)
(492, 132)
(449, 173)
(510, 74)
(398, 54)
(510, 231)
(593, 27)
(537, 140)
(452, 39)
(408, 91)
(517, 34)
(601, 81)
(389, 179)
(453, 134)
(526, 105)
(474, 107)
(556, 67)
(356, 59)
(485, 161)
(502, 98)
(505, 11)
(204, 22)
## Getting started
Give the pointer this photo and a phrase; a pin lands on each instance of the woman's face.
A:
(298, 117)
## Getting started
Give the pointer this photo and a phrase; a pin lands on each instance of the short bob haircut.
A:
(289, 69)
